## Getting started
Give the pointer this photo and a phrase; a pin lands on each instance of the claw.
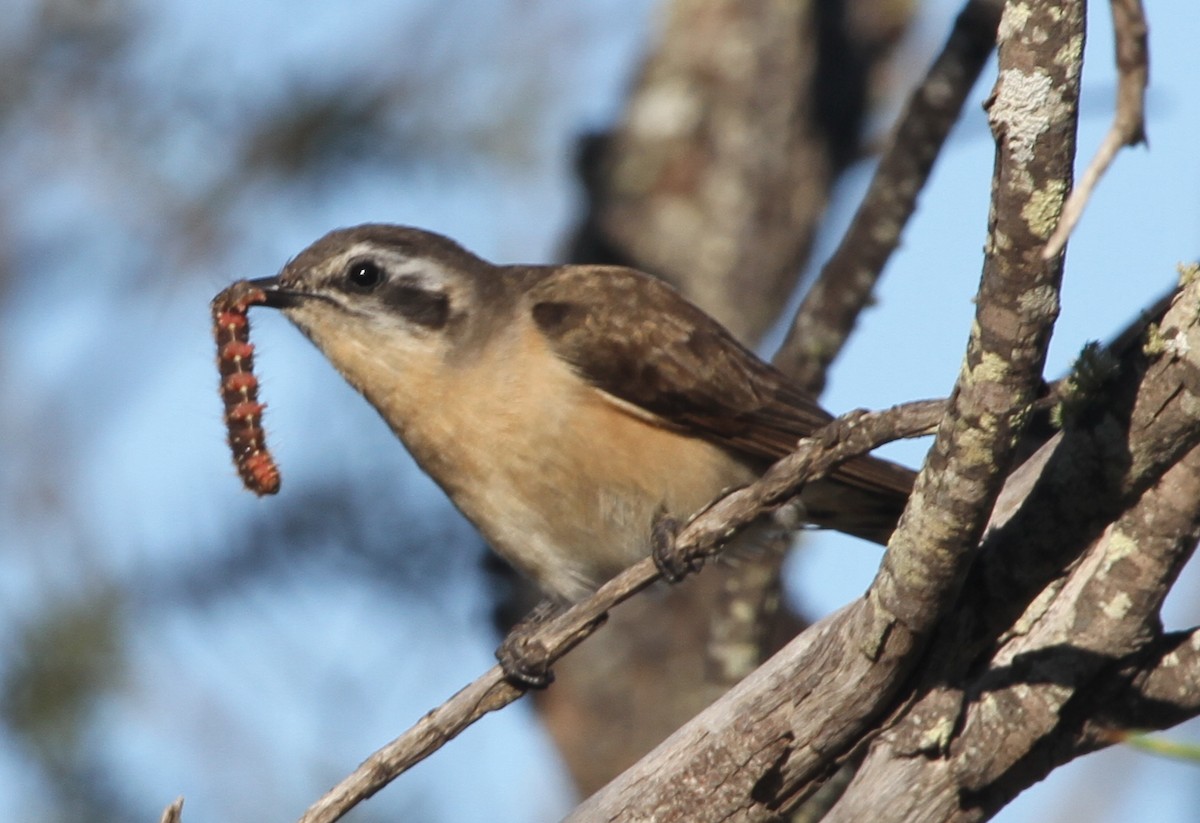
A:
(671, 564)
(523, 657)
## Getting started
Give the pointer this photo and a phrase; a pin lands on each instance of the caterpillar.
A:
(239, 387)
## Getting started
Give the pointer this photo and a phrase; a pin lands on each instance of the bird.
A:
(564, 409)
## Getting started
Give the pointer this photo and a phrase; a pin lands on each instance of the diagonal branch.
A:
(1129, 123)
(846, 437)
(829, 311)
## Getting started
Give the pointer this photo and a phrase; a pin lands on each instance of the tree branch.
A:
(1164, 690)
(1129, 122)
(830, 309)
(1033, 117)
(846, 437)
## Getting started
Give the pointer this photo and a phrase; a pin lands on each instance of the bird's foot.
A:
(671, 563)
(522, 655)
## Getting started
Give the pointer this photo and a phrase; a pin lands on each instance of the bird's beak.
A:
(278, 295)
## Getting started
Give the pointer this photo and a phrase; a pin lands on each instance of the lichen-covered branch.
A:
(1033, 112)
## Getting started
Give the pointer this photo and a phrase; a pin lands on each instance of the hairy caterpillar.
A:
(239, 387)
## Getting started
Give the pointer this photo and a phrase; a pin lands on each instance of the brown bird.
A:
(564, 409)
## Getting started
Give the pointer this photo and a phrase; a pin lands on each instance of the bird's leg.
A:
(673, 565)
(523, 657)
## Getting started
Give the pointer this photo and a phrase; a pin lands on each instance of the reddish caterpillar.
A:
(239, 387)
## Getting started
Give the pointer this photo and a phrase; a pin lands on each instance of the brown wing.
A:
(637, 339)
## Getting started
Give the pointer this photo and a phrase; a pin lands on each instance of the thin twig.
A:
(829, 311)
(1129, 123)
(1163, 747)
(849, 436)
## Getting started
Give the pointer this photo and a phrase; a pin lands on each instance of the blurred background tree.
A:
(165, 633)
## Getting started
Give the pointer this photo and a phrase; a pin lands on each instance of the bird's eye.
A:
(365, 275)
